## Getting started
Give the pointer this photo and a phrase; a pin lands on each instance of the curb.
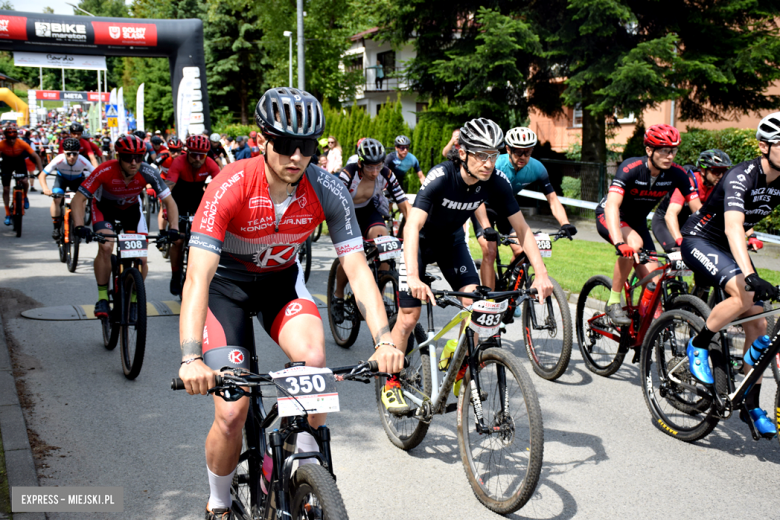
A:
(19, 463)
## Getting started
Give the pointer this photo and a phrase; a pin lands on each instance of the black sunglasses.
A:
(287, 146)
(71, 154)
(131, 158)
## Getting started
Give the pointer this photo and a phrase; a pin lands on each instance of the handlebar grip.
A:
(373, 366)
(177, 384)
(533, 290)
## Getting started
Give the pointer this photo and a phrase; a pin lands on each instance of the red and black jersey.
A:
(107, 183)
(180, 170)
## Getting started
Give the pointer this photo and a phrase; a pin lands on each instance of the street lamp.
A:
(288, 35)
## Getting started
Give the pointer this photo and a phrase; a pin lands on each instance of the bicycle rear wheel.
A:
(388, 289)
(315, 495)
(503, 465)
(345, 332)
(548, 347)
(317, 233)
(132, 335)
(602, 354)
(18, 211)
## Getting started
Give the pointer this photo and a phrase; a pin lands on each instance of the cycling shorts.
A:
(67, 184)
(640, 227)
(453, 258)
(499, 223)
(105, 214)
(187, 196)
(710, 261)
(9, 166)
(367, 217)
(276, 298)
(662, 234)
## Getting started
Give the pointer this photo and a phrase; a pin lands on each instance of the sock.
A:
(306, 443)
(751, 399)
(220, 490)
(7, 210)
(703, 338)
(102, 292)
(614, 297)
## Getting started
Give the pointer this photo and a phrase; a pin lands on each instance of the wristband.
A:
(388, 343)
(188, 361)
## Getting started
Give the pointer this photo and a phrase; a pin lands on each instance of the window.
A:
(387, 59)
(353, 63)
(576, 120)
(379, 107)
(624, 117)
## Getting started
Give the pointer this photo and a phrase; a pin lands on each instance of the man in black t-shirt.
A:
(217, 151)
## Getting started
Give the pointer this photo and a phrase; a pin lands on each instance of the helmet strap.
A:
(466, 167)
(652, 161)
(774, 166)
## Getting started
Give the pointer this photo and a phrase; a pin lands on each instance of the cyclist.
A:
(187, 180)
(13, 152)
(105, 144)
(243, 259)
(621, 217)
(114, 188)
(217, 151)
(452, 191)
(714, 247)
(70, 169)
(158, 148)
(366, 181)
(401, 160)
(163, 163)
(521, 169)
(85, 149)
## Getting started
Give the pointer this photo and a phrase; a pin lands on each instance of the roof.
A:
(3, 77)
(361, 35)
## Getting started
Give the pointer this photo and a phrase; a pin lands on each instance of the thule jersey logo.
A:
(462, 206)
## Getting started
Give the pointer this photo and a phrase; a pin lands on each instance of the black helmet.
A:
(289, 112)
(157, 140)
(371, 151)
(76, 127)
(140, 134)
(713, 159)
(71, 145)
(402, 140)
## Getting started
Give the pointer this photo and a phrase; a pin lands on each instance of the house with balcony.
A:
(384, 75)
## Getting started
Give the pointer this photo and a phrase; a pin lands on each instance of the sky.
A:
(36, 6)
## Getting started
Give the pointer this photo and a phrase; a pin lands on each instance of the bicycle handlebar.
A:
(512, 238)
(483, 294)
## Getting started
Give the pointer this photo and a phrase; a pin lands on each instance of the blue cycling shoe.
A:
(761, 422)
(698, 361)
(518, 311)
(7, 220)
(26, 203)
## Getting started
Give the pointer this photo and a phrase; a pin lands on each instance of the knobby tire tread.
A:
(132, 367)
(614, 365)
(313, 478)
(563, 362)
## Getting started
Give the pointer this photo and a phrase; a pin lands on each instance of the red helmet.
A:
(174, 144)
(198, 144)
(659, 136)
(129, 144)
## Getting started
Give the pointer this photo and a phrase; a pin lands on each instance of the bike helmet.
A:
(659, 136)
(521, 137)
(480, 134)
(76, 127)
(157, 140)
(769, 128)
(289, 112)
(713, 159)
(214, 138)
(131, 144)
(140, 134)
(174, 144)
(371, 151)
(71, 145)
(198, 144)
(11, 130)
(402, 140)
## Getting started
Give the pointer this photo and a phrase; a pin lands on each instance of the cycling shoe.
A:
(338, 309)
(219, 514)
(102, 309)
(393, 397)
(761, 422)
(618, 316)
(26, 203)
(7, 220)
(699, 366)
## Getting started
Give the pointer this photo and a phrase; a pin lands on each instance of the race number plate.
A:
(389, 247)
(486, 317)
(678, 266)
(69, 197)
(544, 244)
(133, 246)
(306, 388)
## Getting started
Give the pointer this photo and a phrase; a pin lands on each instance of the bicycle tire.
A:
(245, 490)
(147, 210)
(528, 437)
(775, 364)
(389, 294)
(549, 363)
(17, 218)
(317, 233)
(609, 362)
(133, 335)
(692, 304)
(407, 432)
(73, 249)
(62, 248)
(346, 332)
(313, 488)
(685, 420)
(304, 257)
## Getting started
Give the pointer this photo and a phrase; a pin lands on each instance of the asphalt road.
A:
(602, 459)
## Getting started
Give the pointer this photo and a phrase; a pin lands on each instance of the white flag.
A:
(120, 100)
(139, 108)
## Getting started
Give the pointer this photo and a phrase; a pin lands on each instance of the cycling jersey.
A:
(399, 166)
(449, 201)
(743, 189)
(216, 151)
(15, 150)
(13, 159)
(60, 165)
(528, 174)
(107, 184)
(105, 143)
(180, 170)
(660, 229)
(351, 176)
(238, 220)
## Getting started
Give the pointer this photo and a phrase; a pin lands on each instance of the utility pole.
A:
(301, 52)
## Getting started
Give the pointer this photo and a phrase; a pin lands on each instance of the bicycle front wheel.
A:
(245, 490)
(388, 289)
(304, 257)
(344, 328)
(132, 334)
(502, 464)
(315, 495)
(317, 233)
(600, 340)
(548, 345)
(62, 247)
(73, 248)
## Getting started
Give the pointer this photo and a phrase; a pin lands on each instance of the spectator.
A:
(334, 155)
(252, 144)
(242, 149)
(380, 74)
(453, 142)
(323, 162)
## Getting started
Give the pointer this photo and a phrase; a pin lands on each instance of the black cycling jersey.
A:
(641, 192)
(743, 189)
(216, 151)
(105, 143)
(449, 201)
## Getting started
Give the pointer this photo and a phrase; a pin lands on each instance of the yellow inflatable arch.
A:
(16, 104)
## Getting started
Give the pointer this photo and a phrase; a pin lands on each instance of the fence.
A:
(394, 79)
(577, 180)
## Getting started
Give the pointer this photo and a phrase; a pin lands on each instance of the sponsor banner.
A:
(13, 27)
(68, 95)
(93, 96)
(59, 32)
(59, 61)
(135, 34)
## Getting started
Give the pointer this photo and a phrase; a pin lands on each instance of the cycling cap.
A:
(402, 140)
(659, 136)
(76, 127)
(371, 151)
(521, 137)
(156, 140)
(174, 144)
(131, 144)
(198, 144)
(713, 159)
(214, 138)
(289, 112)
(140, 134)
(769, 128)
(71, 145)
(481, 134)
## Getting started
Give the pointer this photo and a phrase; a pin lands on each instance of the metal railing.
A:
(394, 79)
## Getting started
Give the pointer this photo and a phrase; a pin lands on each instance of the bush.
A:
(234, 130)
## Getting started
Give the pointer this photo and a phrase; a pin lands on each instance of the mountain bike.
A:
(681, 406)
(187, 218)
(383, 249)
(68, 243)
(126, 322)
(17, 201)
(304, 258)
(603, 344)
(499, 420)
(546, 328)
(317, 232)
(265, 485)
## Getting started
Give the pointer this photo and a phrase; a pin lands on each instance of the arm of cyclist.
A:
(612, 215)
(559, 212)
(92, 159)
(672, 213)
(173, 211)
(525, 236)
(37, 159)
(488, 233)
(404, 207)
(42, 180)
(77, 208)
(414, 223)
(421, 176)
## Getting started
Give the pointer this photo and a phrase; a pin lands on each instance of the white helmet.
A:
(769, 128)
(481, 134)
(214, 138)
(521, 137)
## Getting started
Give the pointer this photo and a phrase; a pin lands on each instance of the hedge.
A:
(234, 130)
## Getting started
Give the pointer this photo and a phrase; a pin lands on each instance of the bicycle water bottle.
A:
(446, 355)
(268, 468)
(758, 346)
(647, 297)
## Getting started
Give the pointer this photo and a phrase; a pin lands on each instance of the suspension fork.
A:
(476, 388)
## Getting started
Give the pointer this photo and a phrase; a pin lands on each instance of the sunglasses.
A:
(287, 146)
(131, 158)
(196, 156)
(485, 157)
(667, 151)
(718, 171)
(71, 154)
(521, 153)
(404, 147)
